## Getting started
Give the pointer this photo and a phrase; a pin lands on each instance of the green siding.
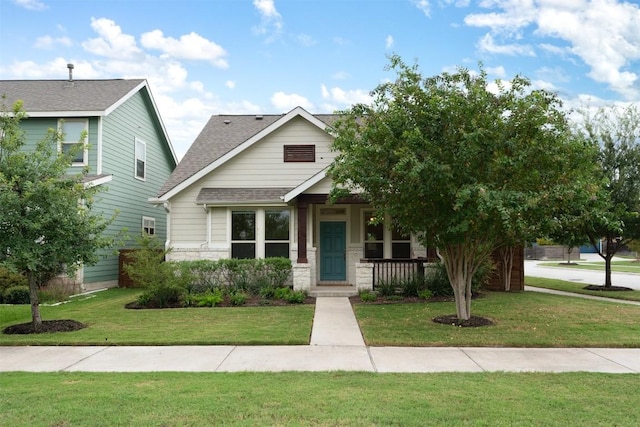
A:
(126, 194)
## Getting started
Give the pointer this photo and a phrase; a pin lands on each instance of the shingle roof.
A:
(219, 136)
(240, 195)
(64, 95)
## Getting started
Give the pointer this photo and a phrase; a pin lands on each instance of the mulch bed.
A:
(251, 302)
(48, 326)
(604, 288)
(473, 322)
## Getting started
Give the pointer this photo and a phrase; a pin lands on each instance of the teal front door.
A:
(333, 264)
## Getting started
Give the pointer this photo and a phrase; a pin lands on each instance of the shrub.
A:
(238, 297)
(16, 295)
(146, 266)
(9, 279)
(437, 281)
(424, 294)
(201, 275)
(367, 295)
(281, 293)
(295, 297)
(412, 287)
(162, 296)
(387, 288)
(209, 298)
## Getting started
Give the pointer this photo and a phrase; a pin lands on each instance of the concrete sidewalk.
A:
(336, 345)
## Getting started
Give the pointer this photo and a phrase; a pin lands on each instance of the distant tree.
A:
(464, 164)
(46, 223)
(615, 215)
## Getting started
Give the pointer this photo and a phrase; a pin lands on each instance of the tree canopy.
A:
(46, 222)
(463, 163)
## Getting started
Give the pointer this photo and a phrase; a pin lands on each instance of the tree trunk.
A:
(35, 303)
(607, 270)
(506, 261)
(461, 262)
(569, 250)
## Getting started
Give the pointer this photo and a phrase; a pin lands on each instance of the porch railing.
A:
(396, 270)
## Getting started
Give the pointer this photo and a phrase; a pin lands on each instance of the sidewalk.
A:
(336, 345)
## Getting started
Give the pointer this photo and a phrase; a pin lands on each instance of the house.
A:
(128, 150)
(256, 186)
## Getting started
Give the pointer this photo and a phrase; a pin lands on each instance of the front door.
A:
(333, 264)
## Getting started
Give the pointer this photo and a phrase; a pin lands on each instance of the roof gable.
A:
(223, 138)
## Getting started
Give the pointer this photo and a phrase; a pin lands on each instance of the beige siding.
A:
(219, 225)
(262, 164)
(188, 220)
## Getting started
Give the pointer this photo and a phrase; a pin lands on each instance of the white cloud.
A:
(306, 40)
(48, 42)
(230, 84)
(340, 75)
(603, 34)
(389, 42)
(345, 98)
(424, 6)
(112, 42)
(288, 101)
(499, 71)
(31, 4)
(487, 44)
(271, 23)
(190, 46)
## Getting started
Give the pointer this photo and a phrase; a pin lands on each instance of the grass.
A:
(524, 319)
(578, 288)
(110, 323)
(339, 398)
(616, 266)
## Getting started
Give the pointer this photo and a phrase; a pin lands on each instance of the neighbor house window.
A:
(243, 234)
(276, 233)
(148, 226)
(141, 159)
(72, 131)
(373, 237)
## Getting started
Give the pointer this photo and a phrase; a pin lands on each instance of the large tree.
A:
(463, 163)
(46, 222)
(615, 218)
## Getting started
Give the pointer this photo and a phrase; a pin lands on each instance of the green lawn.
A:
(616, 266)
(562, 285)
(325, 399)
(110, 323)
(522, 319)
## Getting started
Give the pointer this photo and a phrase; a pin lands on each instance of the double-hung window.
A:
(380, 242)
(148, 226)
(260, 233)
(140, 159)
(74, 139)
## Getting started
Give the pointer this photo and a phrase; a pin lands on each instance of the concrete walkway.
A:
(336, 345)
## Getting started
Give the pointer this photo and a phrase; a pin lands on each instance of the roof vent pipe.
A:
(70, 67)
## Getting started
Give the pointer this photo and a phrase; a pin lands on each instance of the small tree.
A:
(46, 223)
(615, 215)
(459, 162)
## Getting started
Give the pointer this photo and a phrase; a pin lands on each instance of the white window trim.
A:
(387, 236)
(148, 218)
(259, 240)
(85, 152)
(137, 140)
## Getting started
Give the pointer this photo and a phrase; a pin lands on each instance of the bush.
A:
(16, 295)
(238, 297)
(209, 298)
(437, 281)
(387, 288)
(162, 296)
(412, 287)
(367, 295)
(9, 279)
(296, 297)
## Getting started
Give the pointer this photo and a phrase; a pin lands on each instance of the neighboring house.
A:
(256, 186)
(128, 150)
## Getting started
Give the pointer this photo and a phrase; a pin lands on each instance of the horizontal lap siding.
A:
(262, 165)
(188, 220)
(126, 194)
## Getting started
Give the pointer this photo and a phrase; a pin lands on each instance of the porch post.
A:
(302, 232)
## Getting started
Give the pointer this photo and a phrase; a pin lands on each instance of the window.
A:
(299, 153)
(141, 159)
(73, 132)
(276, 233)
(260, 233)
(400, 244)
(148, 226)
(373, 237)
(243, 234)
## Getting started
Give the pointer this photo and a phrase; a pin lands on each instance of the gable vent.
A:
(299, 153)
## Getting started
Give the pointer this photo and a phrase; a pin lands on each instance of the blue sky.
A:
(204, 57)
